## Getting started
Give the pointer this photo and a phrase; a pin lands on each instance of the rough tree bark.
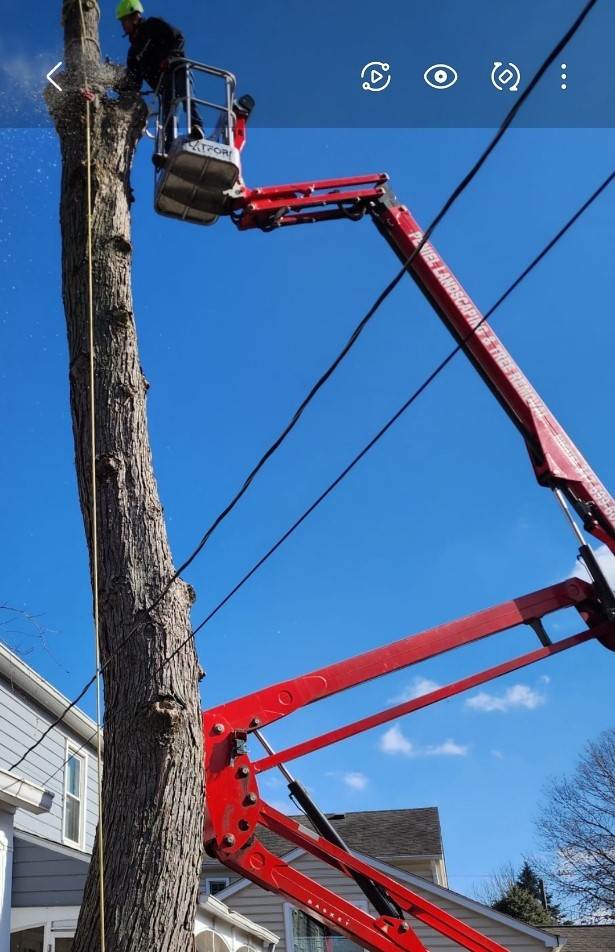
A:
(152, 795)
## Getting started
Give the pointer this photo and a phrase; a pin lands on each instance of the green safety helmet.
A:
(126, 7)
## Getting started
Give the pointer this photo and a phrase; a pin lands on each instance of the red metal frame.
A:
(275, 206)
(234, 807)
(269, 705)
(377, 933)
(239, 128)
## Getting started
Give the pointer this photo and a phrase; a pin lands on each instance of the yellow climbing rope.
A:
(88, 134)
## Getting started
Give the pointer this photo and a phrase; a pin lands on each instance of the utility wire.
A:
(414, 396)
(351, 341)
(393, 284)
(432, 376)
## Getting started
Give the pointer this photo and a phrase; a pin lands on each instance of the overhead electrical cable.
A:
(428, 380)
(405, 406)
(390, 287)
(351, 341)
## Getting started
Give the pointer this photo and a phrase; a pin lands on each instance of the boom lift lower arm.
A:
(235, 809)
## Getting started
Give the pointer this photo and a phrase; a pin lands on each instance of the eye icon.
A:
(440, 76)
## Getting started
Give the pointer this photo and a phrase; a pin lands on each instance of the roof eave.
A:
(40, 691)
(217, 909)
(549, 940)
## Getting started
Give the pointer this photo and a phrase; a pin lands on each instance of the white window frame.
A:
(72, 750)
(289, 936)
(216, 879)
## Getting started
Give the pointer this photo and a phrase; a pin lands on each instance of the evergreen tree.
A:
(531, 882)
(520, 904)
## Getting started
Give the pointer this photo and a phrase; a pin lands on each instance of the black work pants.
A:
(175, 85)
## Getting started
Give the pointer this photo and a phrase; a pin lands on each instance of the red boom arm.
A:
(556, 460)
(234, 808)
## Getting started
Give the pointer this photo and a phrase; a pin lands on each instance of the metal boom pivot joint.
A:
(235, 808)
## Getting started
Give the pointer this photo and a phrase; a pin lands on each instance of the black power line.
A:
(414, 396)
(390, 287)
(405, 406)
(553, 55)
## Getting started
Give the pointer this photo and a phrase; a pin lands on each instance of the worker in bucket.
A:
(153, 42)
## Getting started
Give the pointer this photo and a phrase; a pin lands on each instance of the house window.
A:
(213, 886)
(74, 797)
(308, 935)
(28, 940)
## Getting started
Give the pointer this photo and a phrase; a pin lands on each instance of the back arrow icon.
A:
(50, 74)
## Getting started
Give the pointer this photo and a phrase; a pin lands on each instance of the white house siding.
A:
(261, 907)
(418, 867)
(268, 910)
(212, 870)
(22, 722)
(508, 936)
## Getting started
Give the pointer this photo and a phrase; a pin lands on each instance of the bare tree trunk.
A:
(152, 811)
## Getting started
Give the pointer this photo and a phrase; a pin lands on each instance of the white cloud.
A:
(497, 754)
(416, 688)
(352, 778)
(519, 695)
(394, 741)
(606, 561)
(355, 780)
(448, 749)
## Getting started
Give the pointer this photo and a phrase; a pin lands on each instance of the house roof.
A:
(25, 679)
(210, 911)
(381, 833)
(436, 894)
(586, 938)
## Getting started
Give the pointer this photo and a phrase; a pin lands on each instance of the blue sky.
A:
(442, 519)
(302, 63)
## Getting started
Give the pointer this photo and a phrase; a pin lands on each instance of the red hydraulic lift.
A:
(197, 181)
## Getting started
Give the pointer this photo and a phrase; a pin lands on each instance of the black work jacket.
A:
(155, 41)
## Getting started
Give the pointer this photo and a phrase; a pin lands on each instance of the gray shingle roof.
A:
(382, 834)
(586, 938)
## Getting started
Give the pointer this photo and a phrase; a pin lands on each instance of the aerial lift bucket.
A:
(195, 178)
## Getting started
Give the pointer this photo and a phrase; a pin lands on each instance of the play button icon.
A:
(377, 81)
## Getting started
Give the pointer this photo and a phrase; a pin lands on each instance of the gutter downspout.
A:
(6, 873)
(15, 793)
